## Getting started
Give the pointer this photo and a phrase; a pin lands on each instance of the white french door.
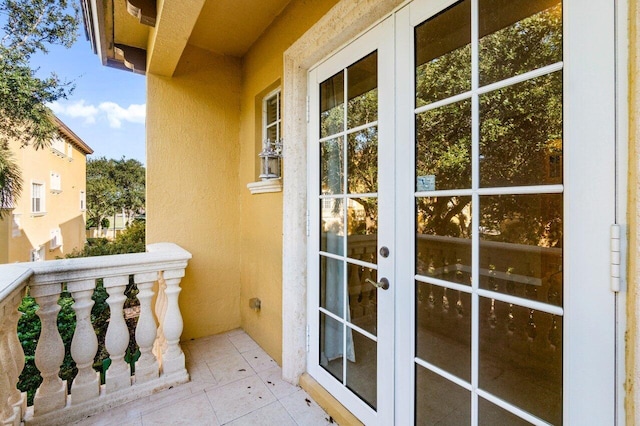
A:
(461, 191)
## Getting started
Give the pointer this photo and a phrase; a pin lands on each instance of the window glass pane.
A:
(443, 54)
(362, 370)
(332, 166)
(363, 298)
(362, 221)
(332, 225)
(443, 147)
(332, 285)
(443, 328)
(332, 105)
(272, 107)
(331, 346)
(362, 155)
(521, 357)
(272, 133)
(443, 238)
(362, 107)
(439, 401)
(517, 36)
(521, 246)
(521, 133)
(492, 415)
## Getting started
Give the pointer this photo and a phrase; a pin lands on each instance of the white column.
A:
(160, 344)
(7, 414)
(147, 367)
(84, 345)
(17, 399)
(52, 393)
(173, 357)
(118, 375)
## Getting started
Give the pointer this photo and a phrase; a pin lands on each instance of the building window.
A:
(37, 255)
(56, 182)
(37, 198)
(271, 153)
(70, 151)
(57, 146)
(55, 238)
(83, 201)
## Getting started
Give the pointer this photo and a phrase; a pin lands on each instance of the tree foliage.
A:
(29, 27)
(112, 186)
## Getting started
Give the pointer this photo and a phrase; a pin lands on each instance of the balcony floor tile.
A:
(233, 382)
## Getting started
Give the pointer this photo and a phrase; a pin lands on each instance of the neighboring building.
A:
(491, 148)
(48, 219)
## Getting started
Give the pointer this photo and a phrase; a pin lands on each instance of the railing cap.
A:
(13, 276)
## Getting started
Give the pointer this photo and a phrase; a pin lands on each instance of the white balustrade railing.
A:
(156, 273)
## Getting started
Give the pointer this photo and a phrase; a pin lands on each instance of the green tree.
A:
(101, 190)
(129, 177)
(29, 27)
(112, 186)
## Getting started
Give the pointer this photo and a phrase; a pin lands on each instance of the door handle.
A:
(383, 283)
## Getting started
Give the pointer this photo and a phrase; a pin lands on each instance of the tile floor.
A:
(233, 382)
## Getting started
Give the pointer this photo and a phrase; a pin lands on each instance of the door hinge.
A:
(308, 338)
(308, 224)
(615, 258)
(308, 112)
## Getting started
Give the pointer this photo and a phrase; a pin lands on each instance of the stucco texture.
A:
(261, 214)
(192, 159)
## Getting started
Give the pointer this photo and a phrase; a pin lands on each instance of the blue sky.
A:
(107, 107)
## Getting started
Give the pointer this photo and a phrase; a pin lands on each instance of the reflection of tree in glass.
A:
(520, 127)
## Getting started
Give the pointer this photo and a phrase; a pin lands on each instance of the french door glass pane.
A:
(443, 328)
(521, 357)
(362, 157)
(492, 415)
(332, 225)
(521, 133)
(362, 104)
(363, 298)
(439, 401)
(443, 54)
(332, 346)
(533, 29)
(331, 285)
(443, 238)
(443, 150)
(332, 105)
(521, 246)
(362, 372)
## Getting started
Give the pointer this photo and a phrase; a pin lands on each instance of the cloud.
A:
(111, 111)
(116, 114)
(77, 109)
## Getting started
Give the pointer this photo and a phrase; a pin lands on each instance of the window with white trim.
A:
(56, 182)
(271, 120)
(37, 255)
(57, 146)
(55, 238)
(37, 198)
(70, 151)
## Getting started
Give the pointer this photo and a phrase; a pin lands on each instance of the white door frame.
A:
(378, 39)
(337, 28)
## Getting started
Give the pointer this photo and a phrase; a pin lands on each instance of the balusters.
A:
(118, 375)
(12, 402)
(147, 367)
(52, 393)
(160, 345)
(84, 345)
(172, 357)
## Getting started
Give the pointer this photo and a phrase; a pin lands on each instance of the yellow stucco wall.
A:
(261, 214)
(62, 208)
(192, 163)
